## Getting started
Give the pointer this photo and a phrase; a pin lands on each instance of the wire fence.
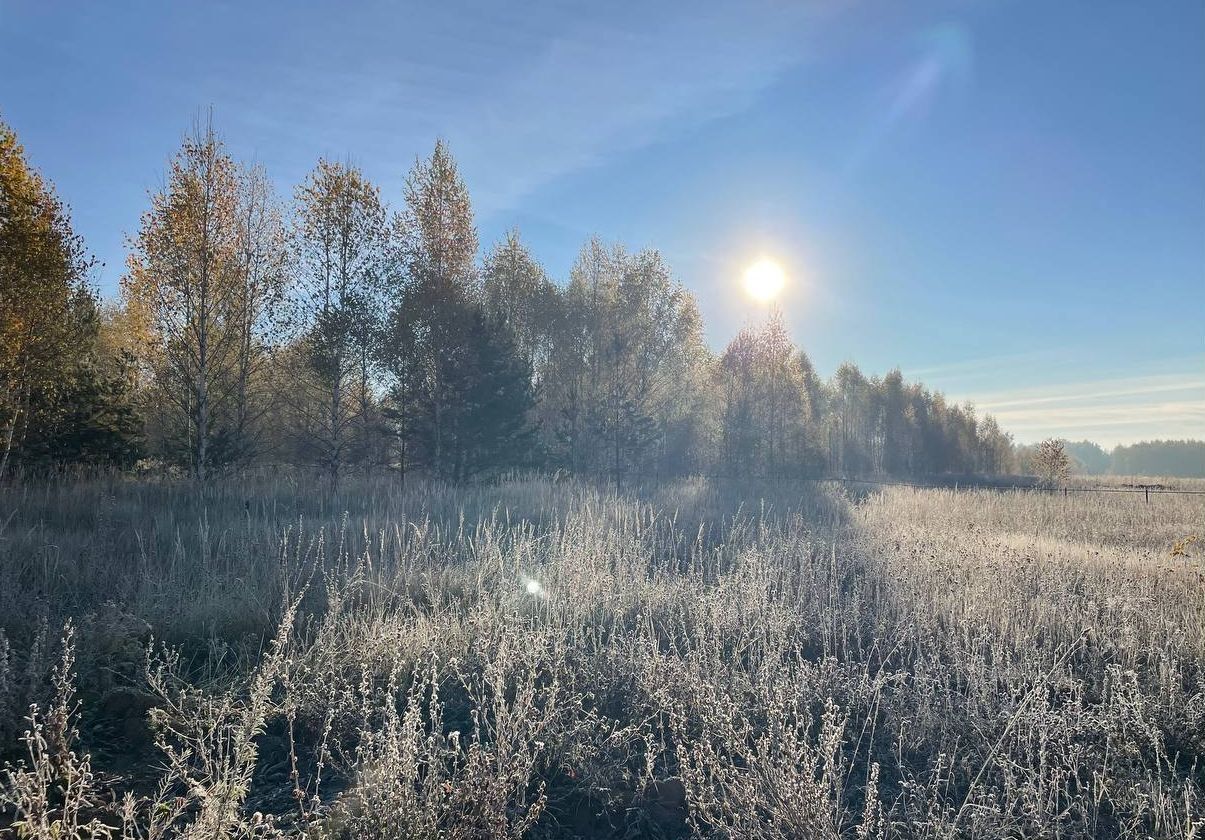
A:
(1005, 483)
(1146, 490)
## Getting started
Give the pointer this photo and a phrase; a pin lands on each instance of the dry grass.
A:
(546, 660)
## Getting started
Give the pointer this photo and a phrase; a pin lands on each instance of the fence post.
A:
(1146, 490)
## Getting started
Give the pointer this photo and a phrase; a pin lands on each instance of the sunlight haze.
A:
(724, 420)
(764, 280)
(981, 191)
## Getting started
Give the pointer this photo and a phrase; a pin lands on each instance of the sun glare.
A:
(764, 280)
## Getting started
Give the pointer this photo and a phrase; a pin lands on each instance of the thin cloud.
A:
(1110, 411)
(538, 96)
(1117, 390)
(596, 91)
(979, 367)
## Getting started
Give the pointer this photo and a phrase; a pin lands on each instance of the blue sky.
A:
(1005, 199)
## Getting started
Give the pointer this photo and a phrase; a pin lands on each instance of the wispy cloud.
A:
(1110, 411)
(603, 88)
(526, 97)
(978, 369)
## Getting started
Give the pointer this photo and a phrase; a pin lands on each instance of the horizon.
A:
(977, 194)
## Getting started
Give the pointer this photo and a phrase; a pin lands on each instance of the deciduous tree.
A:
(342, 241)
(47, 309)
(517, 295)
(1051, 463)
(262, 270)
(762, 388)
(205, 268)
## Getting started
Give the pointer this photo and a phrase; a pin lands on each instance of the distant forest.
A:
(335, 331)
(1182, 458)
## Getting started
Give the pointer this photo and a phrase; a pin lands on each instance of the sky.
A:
(1006, 200)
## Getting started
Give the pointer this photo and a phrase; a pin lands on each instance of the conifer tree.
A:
(431, 321)
(493, 424)
(47, 309)
(517, 295)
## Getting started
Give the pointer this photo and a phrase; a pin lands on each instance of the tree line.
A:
(1181, 458)
(333, 330)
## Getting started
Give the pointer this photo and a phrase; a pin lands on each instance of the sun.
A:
(764, 280)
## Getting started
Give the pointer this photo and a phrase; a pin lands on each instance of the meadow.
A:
(542, 658)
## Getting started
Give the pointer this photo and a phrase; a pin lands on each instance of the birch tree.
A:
(626, 366)
(261, 274)
(761, 378)
(518, 296)
(341, 239)
(184, 283)
(47, 310)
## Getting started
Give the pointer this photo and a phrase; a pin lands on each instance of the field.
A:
(546, 659)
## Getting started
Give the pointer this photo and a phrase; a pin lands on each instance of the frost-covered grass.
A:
(547, 659)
